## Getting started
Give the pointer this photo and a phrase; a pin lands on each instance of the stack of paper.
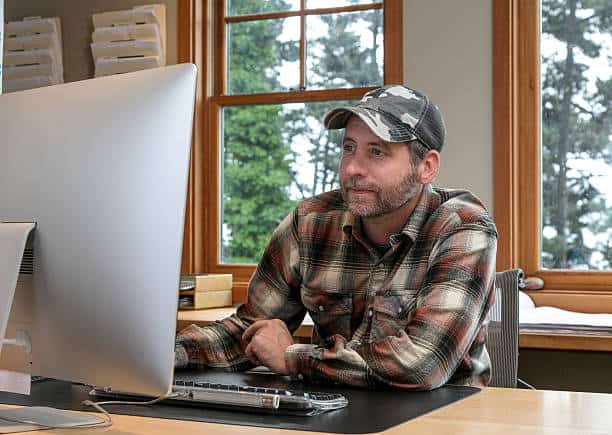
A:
(557, 320)
(32, 54)
(129, 40)
(208, 291)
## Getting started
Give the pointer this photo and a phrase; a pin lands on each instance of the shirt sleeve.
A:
(451, 308)
(273, 294)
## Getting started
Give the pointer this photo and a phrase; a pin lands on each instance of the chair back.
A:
(502, 338)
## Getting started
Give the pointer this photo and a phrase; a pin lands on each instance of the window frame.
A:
(201, 253)
(516, 137)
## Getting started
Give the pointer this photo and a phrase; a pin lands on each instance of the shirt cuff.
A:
(301, 359)
(181, 358)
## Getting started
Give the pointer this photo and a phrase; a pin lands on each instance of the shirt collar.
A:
(428, 202)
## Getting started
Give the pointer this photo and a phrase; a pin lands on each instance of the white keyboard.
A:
(244, 397)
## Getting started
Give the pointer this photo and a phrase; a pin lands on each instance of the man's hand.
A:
(268, 340)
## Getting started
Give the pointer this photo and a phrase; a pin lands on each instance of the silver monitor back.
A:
(101, 167)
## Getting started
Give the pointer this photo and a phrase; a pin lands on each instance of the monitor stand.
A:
(13, 239)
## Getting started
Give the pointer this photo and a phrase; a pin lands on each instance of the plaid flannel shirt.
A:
(414, 317)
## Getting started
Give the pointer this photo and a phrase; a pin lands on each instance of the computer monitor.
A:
(100, 166)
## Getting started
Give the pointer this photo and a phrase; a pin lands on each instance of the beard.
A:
(384, 200)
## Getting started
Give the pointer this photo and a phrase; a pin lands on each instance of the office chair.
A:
(502, 338)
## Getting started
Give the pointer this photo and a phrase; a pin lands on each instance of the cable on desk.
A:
(98, 405)
(108, 421)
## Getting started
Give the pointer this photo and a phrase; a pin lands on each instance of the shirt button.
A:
(370, 312)
(399, 310)
(321, 308)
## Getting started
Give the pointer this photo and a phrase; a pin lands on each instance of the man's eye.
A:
(347, 148)
(376, 152)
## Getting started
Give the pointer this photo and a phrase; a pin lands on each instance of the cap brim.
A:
(338, 118)
(382, 126)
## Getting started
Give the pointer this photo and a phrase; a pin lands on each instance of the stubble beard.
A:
(384, 201)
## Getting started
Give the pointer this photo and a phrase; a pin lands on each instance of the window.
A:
(576, 143)
(553, 147)
(277, 67)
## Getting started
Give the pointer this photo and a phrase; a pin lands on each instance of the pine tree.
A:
(336, 59)
(256, 168)
(260, 167)
(576, 128)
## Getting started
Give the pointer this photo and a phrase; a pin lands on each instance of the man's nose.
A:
(354, 166)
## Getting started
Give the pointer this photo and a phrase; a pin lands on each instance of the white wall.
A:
(447, 55)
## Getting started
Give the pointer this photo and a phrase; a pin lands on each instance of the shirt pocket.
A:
(391, 313)
(330, 312)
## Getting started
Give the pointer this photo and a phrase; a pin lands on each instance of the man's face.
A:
(376, 177)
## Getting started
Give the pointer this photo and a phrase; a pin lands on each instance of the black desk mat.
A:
(367, 412)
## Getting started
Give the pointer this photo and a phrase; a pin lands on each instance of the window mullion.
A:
(219, 50)
(292, 96)
(302, 45)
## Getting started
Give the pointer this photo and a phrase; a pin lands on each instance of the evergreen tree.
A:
(260, 168)
(256, 169)
(337, 59)
(576, 128)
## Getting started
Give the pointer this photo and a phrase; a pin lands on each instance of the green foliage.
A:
(336, 59)
(256, 170)
(260, 168)
(245, 7)
(340, 60)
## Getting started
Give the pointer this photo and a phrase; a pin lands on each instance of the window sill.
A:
(583, 301)
(565, 341)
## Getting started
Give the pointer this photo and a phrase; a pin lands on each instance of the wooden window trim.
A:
(516, 84)
(202, 33)
(302, 12)
(193, 20)
(537, 340)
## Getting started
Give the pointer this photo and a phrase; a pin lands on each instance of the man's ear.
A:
(429, 166)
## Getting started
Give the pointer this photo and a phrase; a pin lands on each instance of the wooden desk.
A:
(492, 411)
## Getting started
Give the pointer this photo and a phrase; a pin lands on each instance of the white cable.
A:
(108, 421)
(124, 402)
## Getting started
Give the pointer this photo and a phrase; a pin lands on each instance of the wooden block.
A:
(212, 299)
(213, 282)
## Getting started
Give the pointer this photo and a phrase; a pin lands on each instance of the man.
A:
(396, 275)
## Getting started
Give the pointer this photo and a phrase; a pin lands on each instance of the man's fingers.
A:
(252, 330)
(249, 351)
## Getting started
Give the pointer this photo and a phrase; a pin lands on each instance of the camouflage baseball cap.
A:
(395, 113)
